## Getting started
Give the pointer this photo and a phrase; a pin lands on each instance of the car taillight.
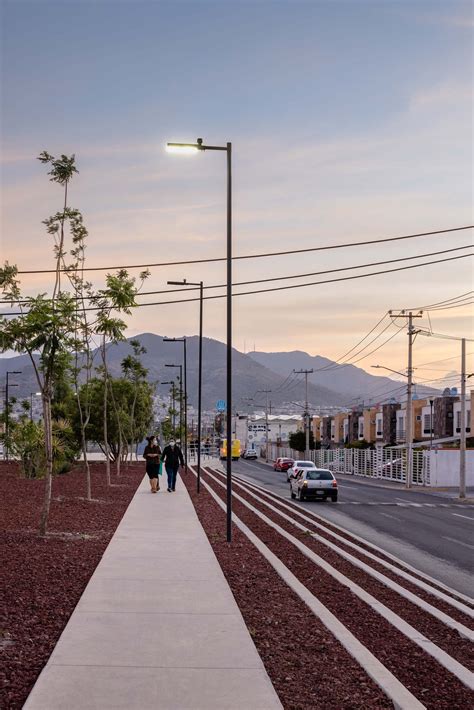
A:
(334, 484)
(305, 483)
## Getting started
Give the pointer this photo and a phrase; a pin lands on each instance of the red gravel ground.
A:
(418, 671)
(308, 667)
(43, 579)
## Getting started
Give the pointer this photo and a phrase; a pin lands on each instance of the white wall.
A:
(444, 467)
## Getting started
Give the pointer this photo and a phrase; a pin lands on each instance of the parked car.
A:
(292, 471)
(314, 483)
(282, 464)
(249, 454)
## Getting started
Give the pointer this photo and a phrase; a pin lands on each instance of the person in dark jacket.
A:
(172, 457)
(152, 455)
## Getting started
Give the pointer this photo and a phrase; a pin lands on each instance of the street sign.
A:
(220, 405)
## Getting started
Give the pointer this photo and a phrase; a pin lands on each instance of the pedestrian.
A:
(172, 457)
(152, 455)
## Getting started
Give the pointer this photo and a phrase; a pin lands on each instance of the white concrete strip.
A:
(322, 523)
(453, 666)
(458, 515)
(157, 627)
(437, 613)
(390, 685)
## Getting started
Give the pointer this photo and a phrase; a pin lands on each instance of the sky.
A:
(349, 121)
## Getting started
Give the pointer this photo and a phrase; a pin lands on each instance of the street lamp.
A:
(183, 340)
(201, 299)
(7, 406)
(180, 398)
(192, 148)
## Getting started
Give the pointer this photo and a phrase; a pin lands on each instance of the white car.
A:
(249, 454)
(314, 483)
(297, 466)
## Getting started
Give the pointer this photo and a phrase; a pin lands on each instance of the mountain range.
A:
(330, 384)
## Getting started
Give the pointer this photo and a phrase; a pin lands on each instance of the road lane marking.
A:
(409, 502)
(458, 542)
(387, 515)
(458, 515)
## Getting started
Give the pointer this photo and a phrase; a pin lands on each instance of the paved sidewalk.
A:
(157, 626)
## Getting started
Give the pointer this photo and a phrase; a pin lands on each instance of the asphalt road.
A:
(427, 530)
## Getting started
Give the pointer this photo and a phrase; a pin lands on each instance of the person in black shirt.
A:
(152, 455)
(172, 457)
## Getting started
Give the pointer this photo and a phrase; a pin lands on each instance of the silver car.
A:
(297, 465)
(315, 483)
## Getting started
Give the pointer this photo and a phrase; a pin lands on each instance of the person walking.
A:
(172, 457)
(152, 455)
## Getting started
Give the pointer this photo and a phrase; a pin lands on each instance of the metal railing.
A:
(388, 463)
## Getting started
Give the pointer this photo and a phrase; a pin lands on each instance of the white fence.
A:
(390, 464)
(435, 468)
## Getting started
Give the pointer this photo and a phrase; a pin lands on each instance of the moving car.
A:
(249, 454)
(235, 451)
(282, 464)
(314, 483)
(292, 471)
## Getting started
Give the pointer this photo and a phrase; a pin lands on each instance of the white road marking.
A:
(409, 502)
(458, 515)
(393, 517)
(458, 542)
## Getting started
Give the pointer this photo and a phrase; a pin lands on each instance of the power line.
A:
(285, 288)
(461, 296)
(255, 256)
(282, 278)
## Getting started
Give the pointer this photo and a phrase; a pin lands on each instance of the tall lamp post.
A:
(183, 340)
(191, 148)
(7, 406)
(180, 397)
(199, 436)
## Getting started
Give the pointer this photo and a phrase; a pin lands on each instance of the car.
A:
(316, 483)
(293, 470)
(235, 451)
(249, 454)
(283, 464)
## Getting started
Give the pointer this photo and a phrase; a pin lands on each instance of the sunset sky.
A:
(350, 121)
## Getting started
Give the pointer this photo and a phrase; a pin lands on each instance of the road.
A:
(427, 530)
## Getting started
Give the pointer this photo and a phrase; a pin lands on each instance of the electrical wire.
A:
(285, 288)
(257, 256)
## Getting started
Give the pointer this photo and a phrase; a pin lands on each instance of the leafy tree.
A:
(297, 441)
(123, 393)
(135, 373)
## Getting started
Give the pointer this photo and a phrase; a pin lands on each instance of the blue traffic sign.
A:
(220, 405)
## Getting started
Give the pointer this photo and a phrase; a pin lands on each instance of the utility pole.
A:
(409, 410)
(266, 393)
(306, 411)
(462, 443)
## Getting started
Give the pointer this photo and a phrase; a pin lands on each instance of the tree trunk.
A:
(119, 453)
(48, 445)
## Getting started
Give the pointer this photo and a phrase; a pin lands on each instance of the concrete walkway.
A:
(157, 626)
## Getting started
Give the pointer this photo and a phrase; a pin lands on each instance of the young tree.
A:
(134, 371)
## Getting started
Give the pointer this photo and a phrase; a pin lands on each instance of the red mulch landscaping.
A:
(43, 578)
(308, 667)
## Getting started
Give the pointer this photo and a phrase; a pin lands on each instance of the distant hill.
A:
(351, 381)
(251, 372)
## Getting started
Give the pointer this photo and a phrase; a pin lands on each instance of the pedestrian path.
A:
(157, 626)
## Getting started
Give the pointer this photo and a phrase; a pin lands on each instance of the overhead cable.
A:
(255, 256)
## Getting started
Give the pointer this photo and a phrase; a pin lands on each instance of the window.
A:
(427, 428)
(319, 476)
